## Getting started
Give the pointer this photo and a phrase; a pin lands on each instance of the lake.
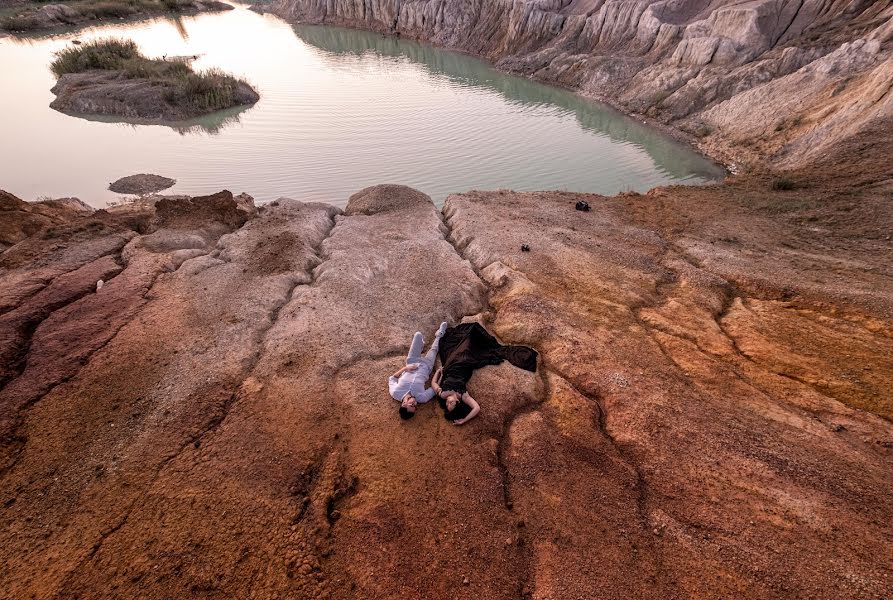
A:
(340, 110)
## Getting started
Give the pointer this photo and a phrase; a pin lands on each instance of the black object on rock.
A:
(525, 248)
(583, 205)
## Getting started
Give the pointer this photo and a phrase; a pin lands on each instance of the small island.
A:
(36, 16)
(112, 77)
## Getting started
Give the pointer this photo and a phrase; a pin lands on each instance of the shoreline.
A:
(768, 103)
(50, 31)
(717, 157)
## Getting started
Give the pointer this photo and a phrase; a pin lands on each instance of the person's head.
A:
(408, 406)
(451, 399)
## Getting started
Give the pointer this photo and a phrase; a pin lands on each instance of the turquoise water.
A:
(339, 110)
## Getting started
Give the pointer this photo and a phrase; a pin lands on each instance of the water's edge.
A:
(712, 153)
(341, 109)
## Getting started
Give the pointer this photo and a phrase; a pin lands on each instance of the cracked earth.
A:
(711, 416)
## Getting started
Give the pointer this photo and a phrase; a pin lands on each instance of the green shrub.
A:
(20, 22)
(154, 69)
(107, 10)
(210, 91)
(107, 55)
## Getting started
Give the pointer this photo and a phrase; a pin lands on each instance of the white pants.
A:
(415, 351)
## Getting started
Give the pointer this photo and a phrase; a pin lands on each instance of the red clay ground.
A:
(711, 417)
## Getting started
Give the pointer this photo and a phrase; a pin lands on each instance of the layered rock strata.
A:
(776, 82)
(711, 417)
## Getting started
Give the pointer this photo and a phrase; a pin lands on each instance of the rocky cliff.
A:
(759, 81)
(710, 419)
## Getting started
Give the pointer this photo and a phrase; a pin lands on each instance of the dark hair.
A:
(460, 412)
(405, 413)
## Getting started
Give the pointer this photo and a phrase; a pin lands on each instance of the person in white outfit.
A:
(407, 386)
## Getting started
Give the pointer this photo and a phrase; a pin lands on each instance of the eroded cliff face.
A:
(710, 418)
(780, 81)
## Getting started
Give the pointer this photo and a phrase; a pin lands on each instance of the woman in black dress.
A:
(464, 349)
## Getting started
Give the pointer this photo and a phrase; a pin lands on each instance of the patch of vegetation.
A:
(204, 92)
(107, 55)
(20, 22)
(783, 184)
(30, 17)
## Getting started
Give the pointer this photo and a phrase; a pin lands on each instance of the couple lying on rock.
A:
(462, 350)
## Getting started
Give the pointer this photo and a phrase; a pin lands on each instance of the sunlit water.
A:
(339, 110)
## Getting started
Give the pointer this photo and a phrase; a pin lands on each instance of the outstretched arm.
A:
(435, 381)
(411, 367)
(475, 409)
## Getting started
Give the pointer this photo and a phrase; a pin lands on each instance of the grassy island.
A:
(112, 77)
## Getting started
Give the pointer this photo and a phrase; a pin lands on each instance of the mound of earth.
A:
(20, 219)
(112, 77)
(116, 93)
(141, 184)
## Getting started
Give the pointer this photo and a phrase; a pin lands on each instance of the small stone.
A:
(583, 206)
(525, 248)
(141, 184)
(465, 580)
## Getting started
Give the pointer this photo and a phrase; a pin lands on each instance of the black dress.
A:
(468, 347)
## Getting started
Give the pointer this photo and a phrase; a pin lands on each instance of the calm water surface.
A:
(339, 110)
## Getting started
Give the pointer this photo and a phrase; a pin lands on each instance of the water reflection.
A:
(180, 25)
(337, 43)
(112, 29)
(211, 124)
